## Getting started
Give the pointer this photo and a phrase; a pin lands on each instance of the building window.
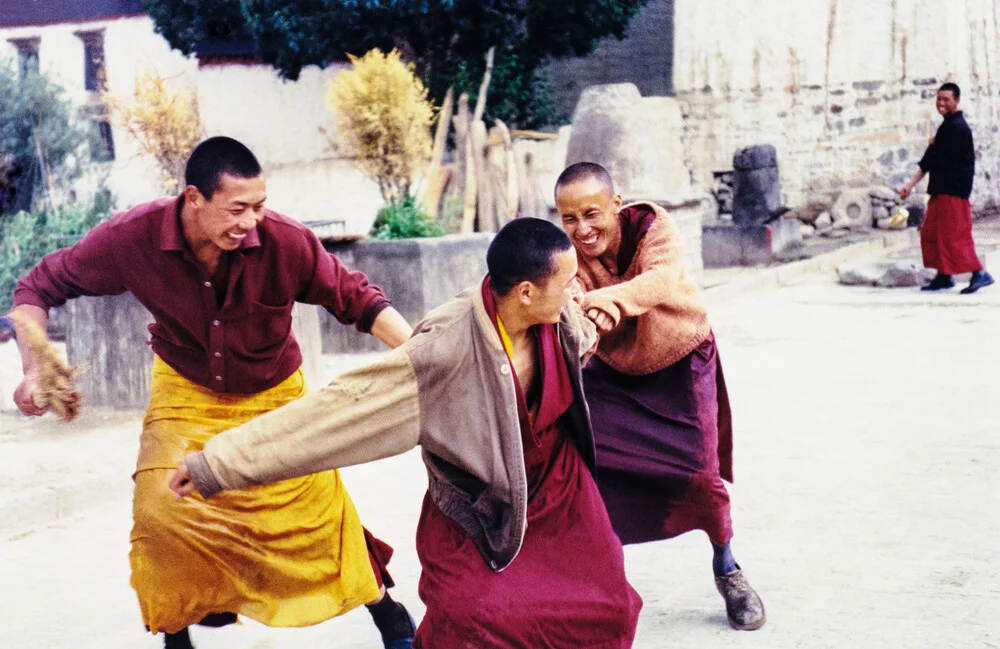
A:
(94, 75)
(95, 81)
(27, 53)
(103, 147)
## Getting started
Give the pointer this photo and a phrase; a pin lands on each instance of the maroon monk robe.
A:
(946, 236)
(664, 440)
(566, 588)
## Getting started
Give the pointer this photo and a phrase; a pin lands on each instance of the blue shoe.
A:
(402, 643)
(979, 280)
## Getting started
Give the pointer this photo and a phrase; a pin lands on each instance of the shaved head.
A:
(582, 171)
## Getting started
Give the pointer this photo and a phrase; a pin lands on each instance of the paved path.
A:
(866, 507)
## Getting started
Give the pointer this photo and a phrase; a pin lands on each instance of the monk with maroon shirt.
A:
(220, 275)
(946, 234)
(655, 388)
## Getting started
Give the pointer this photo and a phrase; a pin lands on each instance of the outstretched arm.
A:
(364, 415)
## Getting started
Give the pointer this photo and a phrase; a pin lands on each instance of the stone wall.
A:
(843, 88)
(845, 91)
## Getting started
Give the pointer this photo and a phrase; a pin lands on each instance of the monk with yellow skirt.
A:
(220, 275)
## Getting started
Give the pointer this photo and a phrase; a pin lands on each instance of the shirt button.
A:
(215, 323)
(217, 355)
(218, 378)
(208, 284)
(505, 369)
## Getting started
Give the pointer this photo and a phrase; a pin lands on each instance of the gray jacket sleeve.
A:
(364, 415)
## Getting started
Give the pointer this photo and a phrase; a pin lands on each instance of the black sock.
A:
(392, 620)
(976, 274)
(179, 640)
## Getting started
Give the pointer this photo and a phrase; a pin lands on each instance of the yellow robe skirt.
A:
(288, 554)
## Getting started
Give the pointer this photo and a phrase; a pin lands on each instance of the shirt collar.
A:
(172, 234)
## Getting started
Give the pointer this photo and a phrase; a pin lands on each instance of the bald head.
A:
(582, 172)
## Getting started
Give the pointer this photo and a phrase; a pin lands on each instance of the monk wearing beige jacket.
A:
(655, 388)
(514, 541)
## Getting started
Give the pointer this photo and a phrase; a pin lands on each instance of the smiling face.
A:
(229, 216)
(547, 298)
(946, 102)
(589, 213)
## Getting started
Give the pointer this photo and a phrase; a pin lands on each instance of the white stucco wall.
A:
(280, 121)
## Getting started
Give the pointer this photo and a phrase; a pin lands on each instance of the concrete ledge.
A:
(727, 244)
(784, 275)
(416, 274)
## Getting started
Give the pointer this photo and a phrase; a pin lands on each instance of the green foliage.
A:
(26, 237)
(446, 39)
(43, 138)
(405, 220)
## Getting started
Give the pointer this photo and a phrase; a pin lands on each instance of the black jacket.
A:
(951, 160)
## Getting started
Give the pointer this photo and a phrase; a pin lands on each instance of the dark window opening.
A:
(94, 75)
(104, 143)
(27, 53)
(101, 140)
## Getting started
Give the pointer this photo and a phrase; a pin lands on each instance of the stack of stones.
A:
(884, 202)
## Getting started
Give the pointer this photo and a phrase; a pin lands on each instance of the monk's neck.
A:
(514, 322)
(609, 258)
(203, 249)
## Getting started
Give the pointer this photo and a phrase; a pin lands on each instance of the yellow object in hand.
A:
(900, 217)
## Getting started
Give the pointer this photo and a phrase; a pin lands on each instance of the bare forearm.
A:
(391, 328)
(41, 317)
(916, 179)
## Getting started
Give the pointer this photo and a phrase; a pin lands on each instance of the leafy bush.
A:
(43, 138)
(383, 121)
(405, 220)
(27, 237)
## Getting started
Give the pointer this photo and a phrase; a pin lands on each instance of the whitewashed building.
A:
(78, 42)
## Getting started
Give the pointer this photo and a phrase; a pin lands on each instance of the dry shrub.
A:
(165, 124)
(382, 119)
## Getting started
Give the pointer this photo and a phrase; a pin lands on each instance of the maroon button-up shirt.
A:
(243, 346)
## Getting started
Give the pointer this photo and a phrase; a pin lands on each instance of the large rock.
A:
(885, 274)
(852, 209)
(638, 140)
(884, 193)
(756, 186)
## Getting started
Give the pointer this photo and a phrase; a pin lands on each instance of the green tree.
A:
(446, 39)
(43, 139)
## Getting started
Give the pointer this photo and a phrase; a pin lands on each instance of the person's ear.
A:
(193, 196)
(525, 292)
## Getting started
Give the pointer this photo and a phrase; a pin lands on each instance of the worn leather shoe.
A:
(743, 606)
(977, 282)
(938, 283)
